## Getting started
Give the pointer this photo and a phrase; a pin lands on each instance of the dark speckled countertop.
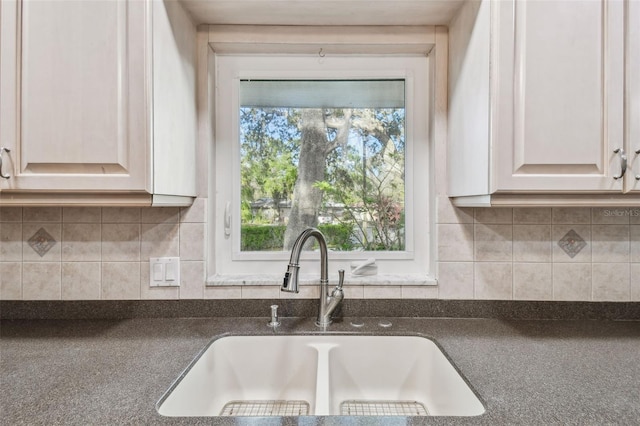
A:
(103, 372)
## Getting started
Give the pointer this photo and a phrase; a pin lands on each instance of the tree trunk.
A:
(314, 149)
(311, 167)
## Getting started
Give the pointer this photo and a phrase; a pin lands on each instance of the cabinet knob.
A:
(2, 175)
(623, 162)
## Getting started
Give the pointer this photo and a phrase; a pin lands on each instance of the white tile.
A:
(455, 280)
(571, 215)
(120, 215)
(10, 214)
(353, 291)
(532, 281)
(610, 243)
(634, 239)
(572, 281)
(158, 293)
(196, 213)
(42, 214)
(192, 280)
(192, 240)
(41, 281)
(10, 280)
(493, 280)
(532, 243)
(493, 242)
(382, 292)
(529, 215)
(611, 282)
(81, 242)
(160, 240)
(635, 282)
(11, 242)
(419, 292)
(455, 242)
(448, 213)
(81, 280)
(121, 280)
(494, 215)
(261, 292)
(160, 215)
(82, 214)
(120, 242)
(223, 292)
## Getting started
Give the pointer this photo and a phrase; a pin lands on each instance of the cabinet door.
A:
(72, 106)
(559, 83)
(632, 94)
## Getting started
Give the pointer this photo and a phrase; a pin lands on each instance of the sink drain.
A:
(265, 408)
(383, 408)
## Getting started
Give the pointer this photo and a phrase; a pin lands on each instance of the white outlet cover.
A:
(164, 271)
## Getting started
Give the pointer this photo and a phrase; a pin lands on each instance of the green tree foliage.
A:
(270, 237)
(369, 179)
(269, 154)
(363, 185)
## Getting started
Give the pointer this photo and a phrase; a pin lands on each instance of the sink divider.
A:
(322, 379)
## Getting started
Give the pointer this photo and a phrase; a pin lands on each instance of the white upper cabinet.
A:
(97, 102)
(632, 100)
(537, 103)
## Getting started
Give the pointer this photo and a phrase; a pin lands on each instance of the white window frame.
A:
(414, 266)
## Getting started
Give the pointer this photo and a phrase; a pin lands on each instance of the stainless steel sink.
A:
(321, 375)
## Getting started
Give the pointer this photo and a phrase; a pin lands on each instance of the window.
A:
(322, 153)
(338, 142)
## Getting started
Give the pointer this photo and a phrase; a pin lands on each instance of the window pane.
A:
(329, 155)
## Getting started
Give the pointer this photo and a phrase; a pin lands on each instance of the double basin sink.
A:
(320, 375)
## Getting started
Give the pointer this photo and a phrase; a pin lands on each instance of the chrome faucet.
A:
(328, 302)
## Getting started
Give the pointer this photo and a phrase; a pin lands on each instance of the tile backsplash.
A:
(572, 254)
(90, 253)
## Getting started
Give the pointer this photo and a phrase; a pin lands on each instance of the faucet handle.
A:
(340, 278)
(337, 293)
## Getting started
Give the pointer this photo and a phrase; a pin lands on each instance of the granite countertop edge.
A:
(297, 307)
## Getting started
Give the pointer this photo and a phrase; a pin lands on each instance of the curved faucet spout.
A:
(290, 283)
(328, 302)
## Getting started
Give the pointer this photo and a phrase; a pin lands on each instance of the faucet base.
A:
(323, 324)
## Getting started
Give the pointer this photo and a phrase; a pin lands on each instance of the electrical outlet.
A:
(164, 272)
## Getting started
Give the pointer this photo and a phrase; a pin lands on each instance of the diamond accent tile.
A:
(572, 243)
(41, 242)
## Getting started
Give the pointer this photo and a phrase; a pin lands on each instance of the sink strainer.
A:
(382, 408)
(265, 408)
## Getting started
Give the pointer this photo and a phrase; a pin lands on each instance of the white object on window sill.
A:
(364, 268)
(310, 279)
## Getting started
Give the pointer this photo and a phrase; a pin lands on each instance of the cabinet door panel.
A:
(71, 84)
(632, 93)
(79, 96)
(566, 97)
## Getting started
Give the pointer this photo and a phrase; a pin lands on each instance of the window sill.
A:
(270, 280)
